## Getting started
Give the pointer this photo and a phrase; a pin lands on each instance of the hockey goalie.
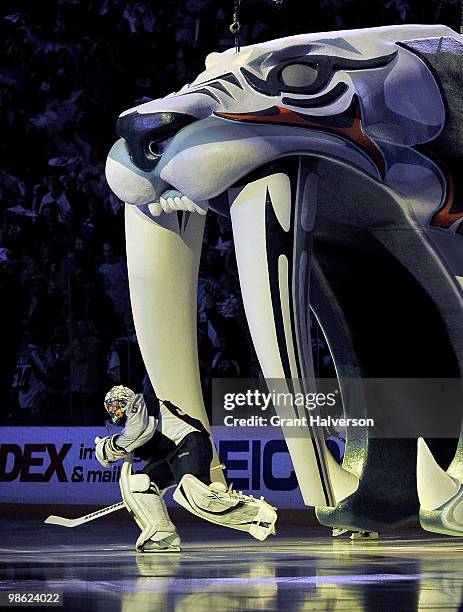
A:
(178, 451)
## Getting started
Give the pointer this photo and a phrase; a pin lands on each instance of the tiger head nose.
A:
(145, 134)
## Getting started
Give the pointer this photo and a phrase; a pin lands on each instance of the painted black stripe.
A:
(220, 87)
(327, 98)
(231, 78)
(207, 93)
(278, 243)
(180, 219)
(186, 218)
(299, 240)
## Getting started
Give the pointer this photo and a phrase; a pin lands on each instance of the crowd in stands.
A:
(69, 68)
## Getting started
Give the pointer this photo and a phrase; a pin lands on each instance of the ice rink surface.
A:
(302, 568)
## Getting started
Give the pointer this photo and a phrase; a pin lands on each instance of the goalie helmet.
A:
(116, 402)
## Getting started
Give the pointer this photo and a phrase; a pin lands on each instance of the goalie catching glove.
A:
(106, 450)
(222, 506)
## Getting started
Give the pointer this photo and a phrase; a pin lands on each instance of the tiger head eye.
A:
(299, 75)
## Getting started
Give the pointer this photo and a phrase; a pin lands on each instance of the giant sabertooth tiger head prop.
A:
(334, 154)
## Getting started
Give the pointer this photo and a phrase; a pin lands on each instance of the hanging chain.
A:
(236, 26)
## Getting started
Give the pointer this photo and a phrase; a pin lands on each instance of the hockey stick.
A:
(65, 522)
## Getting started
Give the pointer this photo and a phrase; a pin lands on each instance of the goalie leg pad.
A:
(216, 504)
(147, 507)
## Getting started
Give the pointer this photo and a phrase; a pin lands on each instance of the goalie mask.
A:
(116, 402)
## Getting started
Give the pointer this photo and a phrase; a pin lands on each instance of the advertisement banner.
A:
(56, 465)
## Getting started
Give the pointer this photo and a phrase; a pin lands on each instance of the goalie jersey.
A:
(154, 428)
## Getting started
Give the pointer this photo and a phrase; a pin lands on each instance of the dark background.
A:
(68, 69)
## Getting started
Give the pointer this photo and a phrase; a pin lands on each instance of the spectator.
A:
(48, 227)
(95, 224)
(223, 364)
(16, 235)
(114, 279)
(36, 382)
(83, 257)
(225, 312)
(40, 311)
(56, 195)
(124, 361)
(30, 383)
(90, 302)
(11, 296)
(84, 355)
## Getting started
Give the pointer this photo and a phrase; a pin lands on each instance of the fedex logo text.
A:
(33, 463)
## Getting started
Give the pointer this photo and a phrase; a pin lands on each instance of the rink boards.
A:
(44, 465)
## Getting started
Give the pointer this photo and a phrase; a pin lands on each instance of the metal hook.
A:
(235, 27)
